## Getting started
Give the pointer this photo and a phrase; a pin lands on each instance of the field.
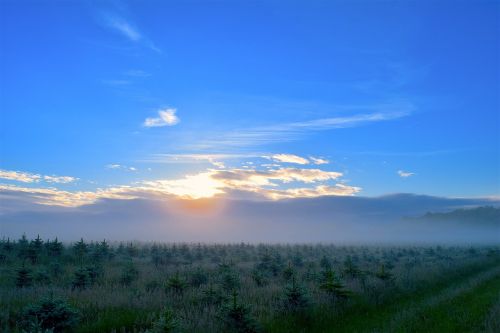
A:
(48, 286)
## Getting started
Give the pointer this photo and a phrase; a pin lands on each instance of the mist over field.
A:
(391, 219)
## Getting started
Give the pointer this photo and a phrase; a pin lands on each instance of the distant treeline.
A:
(486, 214)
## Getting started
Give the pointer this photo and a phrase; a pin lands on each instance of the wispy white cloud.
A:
(113, 166)
(405, 174)
(56, 197)
(166, 117)
(27, 177)
(20, 176)
(59, 179)
(128, 30)
(318, 160)
(287, 158)
(307, 192)
(124, 28)
(120, 166)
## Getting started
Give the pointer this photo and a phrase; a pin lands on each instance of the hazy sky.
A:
(265, 99)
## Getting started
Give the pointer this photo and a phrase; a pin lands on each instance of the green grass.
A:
(109, 319)
(465, 313)
(364, 317)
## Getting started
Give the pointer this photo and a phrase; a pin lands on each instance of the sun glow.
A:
(197, 186)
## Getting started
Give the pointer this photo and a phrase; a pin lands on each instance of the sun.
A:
(197, 186)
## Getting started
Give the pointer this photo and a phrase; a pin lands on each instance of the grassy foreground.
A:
(47, 286)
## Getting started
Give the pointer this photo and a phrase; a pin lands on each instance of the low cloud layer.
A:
(274, 184)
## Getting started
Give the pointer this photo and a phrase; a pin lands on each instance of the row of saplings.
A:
(55, 315)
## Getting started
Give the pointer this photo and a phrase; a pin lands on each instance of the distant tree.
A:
(384, 275)
(129, 274)
(93, 273)
(325, 263)
(80, 249)
(80, 279)
(104, 249)
(37, 244)
(8, 246)
(259, 278)
(333, 287)
(350, 269)
(175, 284)
(22, 247)
(32, 253)
(55, 248)
(288, 273)
(211, 296)
(198, 277)
(24, 277)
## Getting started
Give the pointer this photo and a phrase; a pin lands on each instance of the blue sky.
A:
(374, 97)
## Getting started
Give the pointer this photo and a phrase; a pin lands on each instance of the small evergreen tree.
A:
(49, 314)
(80, 249)
(93, 273)
(24, 277)
(288, 273)
(80, 279)
(8, 246)
(55, 248)
(166, 323)
(32, 253)
(22, 247)
(295, 299)
(259, 278)
(350, 269)
(230, 281)
(175, 284)
(37, 244)
(384, 274)
(210, 295)
(237, 317)
(332, 286)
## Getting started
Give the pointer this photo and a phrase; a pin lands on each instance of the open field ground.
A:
(48, 286)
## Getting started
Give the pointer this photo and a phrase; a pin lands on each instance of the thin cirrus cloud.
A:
(128, 30)
(166, 117)
(405, 174)
(295, 159)
(286, 132)
(27, 177)
(124, 28)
